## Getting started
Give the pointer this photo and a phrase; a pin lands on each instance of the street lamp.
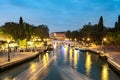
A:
(104, 39)
(88, 39)
(8, 41)
(75, 39)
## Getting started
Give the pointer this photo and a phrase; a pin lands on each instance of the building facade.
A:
(58, 35)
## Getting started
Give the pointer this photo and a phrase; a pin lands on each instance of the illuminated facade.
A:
(58, 35)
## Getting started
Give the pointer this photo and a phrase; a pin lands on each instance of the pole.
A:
(103, 46)
(8, 52)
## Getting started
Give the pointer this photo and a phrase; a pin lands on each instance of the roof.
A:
(59, 32)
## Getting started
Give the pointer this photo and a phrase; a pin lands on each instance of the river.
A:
(64, 63)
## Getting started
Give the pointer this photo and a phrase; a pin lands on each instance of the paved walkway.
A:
(14, 56)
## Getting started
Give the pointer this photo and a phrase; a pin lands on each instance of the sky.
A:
(60, 15)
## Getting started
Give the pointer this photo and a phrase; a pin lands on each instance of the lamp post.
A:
(8, 50)
(75, 41)
(104, 39)
(88, 39)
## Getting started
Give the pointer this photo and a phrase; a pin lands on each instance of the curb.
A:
(11, 64)
(110, 62)
(114, 65)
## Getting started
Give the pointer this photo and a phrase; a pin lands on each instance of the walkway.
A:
(15, 56)
(15, 59)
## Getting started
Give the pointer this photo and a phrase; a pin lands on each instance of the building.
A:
(58, 35)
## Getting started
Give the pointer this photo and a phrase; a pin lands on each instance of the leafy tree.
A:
(101, 29)
(113, 38)
(3, 35)
(116, 26)
(21, 29)
(75, 35)
(68, 34)
(42, 31)
(12, 29)
(27, 31)
(24, 31)
(100, 24)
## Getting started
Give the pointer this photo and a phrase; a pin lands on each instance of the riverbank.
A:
(113, 56)
(16, 58)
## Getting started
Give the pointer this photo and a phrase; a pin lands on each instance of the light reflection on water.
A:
(71, 55)
(7, 78)
(33, 67)
(76, 56)
(74, 64)
(65, 53)
(105, 73)
(45, 59)
(88, 64)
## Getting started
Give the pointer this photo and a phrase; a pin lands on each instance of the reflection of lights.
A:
(15, 79)
(76, 55)
(47, 56)
(66, 49)
(88, 63)
(65, 52)
(45, 59)
(71, 56)
(71, 53)
(104, 72)
(55, 46)
(7, 78)
(33, 67)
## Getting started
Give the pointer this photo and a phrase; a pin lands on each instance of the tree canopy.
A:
(23, 30)
(97, 32)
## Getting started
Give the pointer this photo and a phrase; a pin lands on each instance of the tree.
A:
(42, 31)
(116, 26)
(68, 34)
(21, 29)
(3, 35)
(27, 31)
(75, 35)
(113, 38)
(21, 21)
(101, 29)
(11, 28)
(100, 24)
